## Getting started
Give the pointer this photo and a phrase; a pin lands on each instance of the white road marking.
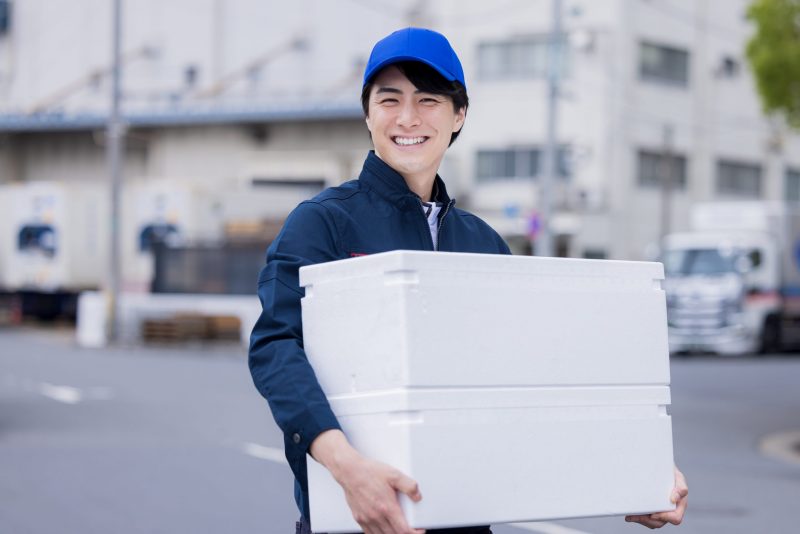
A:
(99, 393)
(782, 446)
(547, 528)
(71, 395)
(273, 454)
(65, 394)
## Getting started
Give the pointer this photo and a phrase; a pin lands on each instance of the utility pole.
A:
(543, 245)
(114, 147)
(667, 177)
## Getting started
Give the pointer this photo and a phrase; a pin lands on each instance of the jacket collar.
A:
(388, 183)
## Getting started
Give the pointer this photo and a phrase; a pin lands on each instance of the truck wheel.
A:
(771, 336)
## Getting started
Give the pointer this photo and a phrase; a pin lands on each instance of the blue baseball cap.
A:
(416, 44)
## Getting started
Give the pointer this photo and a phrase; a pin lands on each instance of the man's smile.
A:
(408, 141)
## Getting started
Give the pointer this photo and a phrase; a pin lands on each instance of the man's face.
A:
(410, 130)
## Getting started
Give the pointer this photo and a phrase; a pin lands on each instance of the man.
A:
(415, 103)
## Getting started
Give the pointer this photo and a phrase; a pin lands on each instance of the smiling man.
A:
(415, 104)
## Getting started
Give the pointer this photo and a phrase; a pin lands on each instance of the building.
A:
(264, 95)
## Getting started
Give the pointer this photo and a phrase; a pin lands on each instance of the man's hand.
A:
(370, 487)
(679, 496)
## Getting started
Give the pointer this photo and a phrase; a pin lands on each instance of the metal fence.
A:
(230, 269)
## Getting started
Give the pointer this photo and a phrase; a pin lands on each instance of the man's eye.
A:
(388, 101)
(429, 100)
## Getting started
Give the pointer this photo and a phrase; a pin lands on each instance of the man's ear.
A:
(461, 116)
(369, 123)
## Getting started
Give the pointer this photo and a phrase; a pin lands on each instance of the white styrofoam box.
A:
(437, 319)
(510, 388)
(494, 455)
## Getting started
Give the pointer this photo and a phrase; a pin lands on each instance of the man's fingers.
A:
(407, 485)
(681, 490)
(399, 524)
(674, 518)
(645, 520)
(387, 527)
(373, 519)
(379, 526)
(653, 523)
(679, 493)
(371, 489)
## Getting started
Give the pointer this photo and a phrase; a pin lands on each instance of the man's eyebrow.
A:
(394, 90)
(388, 90)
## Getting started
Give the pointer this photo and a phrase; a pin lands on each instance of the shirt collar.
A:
(387, 182)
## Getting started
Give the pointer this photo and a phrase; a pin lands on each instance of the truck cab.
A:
(720, 288)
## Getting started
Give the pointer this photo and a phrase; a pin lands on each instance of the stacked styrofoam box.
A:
(509, 388)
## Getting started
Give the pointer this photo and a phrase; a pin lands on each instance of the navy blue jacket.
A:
(376, 213)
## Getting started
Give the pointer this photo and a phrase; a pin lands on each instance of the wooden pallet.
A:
(224, 327)
(10, 310)
(191, 327)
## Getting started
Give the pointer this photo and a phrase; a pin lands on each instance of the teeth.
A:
(409, 140)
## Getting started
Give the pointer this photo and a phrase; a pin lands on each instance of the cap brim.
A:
(397, 59)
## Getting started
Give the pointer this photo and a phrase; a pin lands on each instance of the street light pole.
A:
(544, 242)
(114, 147)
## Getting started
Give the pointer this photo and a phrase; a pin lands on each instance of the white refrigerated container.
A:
(174, 212)
(53, 236)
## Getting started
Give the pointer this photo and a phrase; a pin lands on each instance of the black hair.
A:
(428, 80)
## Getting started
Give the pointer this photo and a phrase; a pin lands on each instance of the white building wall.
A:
(224, 152)
(607, 113)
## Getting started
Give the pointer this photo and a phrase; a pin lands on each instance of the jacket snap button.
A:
(296, 438)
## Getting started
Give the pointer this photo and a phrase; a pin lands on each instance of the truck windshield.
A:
(698, 262)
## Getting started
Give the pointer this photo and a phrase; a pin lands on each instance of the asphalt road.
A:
(170, 440)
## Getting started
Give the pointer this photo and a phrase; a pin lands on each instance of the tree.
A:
(774, 56)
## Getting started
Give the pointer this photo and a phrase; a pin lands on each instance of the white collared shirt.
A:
(431, 211)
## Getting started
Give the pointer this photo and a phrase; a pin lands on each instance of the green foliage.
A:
(774, 56)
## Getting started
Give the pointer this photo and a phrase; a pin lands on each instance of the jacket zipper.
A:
(441, 223)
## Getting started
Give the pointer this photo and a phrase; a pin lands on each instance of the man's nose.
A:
(409, 115)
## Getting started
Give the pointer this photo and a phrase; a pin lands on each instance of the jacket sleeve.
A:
(277, 361)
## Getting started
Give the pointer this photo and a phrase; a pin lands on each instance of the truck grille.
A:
(698, 314)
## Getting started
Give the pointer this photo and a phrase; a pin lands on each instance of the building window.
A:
(792, 188)
(737, 179)
(653, 165)
(663, 64)
(521, 58)
(517, 163)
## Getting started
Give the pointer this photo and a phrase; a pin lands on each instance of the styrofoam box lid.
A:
(495, 264)
(409, 400)
(413, 319)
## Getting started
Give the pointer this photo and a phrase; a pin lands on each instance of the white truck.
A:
(733, 280)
